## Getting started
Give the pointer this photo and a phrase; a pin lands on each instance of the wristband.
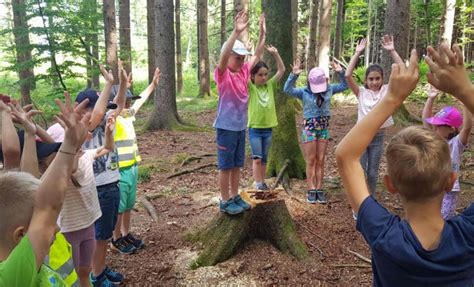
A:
(65, 152)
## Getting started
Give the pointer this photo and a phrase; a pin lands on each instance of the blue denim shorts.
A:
(260, 141)
(109, 200)
(230, 148)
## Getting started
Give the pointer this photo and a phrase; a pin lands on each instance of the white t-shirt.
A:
(81, 205)
(368, 100)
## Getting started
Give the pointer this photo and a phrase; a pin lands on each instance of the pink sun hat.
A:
(447, 116)
(317, 80)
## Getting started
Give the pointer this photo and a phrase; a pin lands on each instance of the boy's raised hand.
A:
(241, 21)
(361, 45)
(23, 116)
(110, 124)
(296, 67)
(387, 43)
(108, 75)
(156, 77)
(262, 24)
(403, 79)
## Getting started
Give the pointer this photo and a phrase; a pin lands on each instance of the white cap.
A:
(238, 48)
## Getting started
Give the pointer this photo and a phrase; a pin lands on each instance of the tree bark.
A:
(313, 26)
(449, 21)
(165, 113)
(179, 59)
(339, 27)
(369, 34)
(110, 34)
(23, 50)
(223, 18)
(240, 5)
(204, 74)
(324, 43)
(151, 37)
(285, 137)
(294, 32)
(125, 37)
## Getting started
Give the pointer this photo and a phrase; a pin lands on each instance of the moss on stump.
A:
(269, 220)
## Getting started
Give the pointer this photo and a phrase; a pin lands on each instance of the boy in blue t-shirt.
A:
(423, 249)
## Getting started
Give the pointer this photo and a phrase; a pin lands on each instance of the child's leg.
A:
(224, 179)
(267, 142)
(239, 158)
(227, 143)
(256, 146)
(87, 249)
(310, 152)
(375, 151)
(321, 146)
(117, 233)
(125, 228)
(448, 207)
(234, 181)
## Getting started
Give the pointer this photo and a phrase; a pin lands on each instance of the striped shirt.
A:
(81, 205)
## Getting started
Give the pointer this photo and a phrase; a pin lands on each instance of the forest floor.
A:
(187, 201)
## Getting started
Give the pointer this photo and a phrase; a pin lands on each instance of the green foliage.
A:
(144, 173)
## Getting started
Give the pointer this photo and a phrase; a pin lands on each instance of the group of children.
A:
(87, 162)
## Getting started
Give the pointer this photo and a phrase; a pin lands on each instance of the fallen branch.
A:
(351, 265)
(280, 174)
(361, 257)
(317, 248)
(149, 207)
(468, 182)
(191, 170)
(153, 196)
(314, 233)
(286, 186)
(193, 158)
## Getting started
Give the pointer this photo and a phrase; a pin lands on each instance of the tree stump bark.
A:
(268, 220)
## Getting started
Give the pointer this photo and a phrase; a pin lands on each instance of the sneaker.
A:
(100, 281)
(260, 186)
(311, 196)
(123, 246)
(138, 243)
(240, 202)
(113, 276)
(320, 197)
(230, 207)
(265, 186)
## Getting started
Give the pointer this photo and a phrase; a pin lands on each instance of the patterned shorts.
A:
(315, 129)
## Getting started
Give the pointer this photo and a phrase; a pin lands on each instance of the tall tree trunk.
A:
(204, 74)
(324, 43)
(304, 6)
(285, 137)
(449, 21)
(313, 26)
(110, 30)
(151, 38)
(428, 22)
(125, 37)
(369, 34)
(223, 25)
(294, 26)
(179, 59)
(165, 113)
(240, 5)
(23, 50)
(339, 27)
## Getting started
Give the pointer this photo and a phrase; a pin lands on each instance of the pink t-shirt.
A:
(233, 98)
(368, 99)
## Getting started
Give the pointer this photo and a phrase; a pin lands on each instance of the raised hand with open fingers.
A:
(156, 77)
(296, 67)
(403, 80)
(336, 67)
(241, 21)
(387, 42)
(108, 75)
(23, 116)
(271, 49)
(361, 45)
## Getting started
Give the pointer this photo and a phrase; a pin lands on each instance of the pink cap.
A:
(56, 131)
(317, 80)
(447, 116)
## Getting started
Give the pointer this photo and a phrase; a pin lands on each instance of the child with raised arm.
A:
(232, 76)
(368, 96)
(127, 150)
(316, 97)
(262, 114)
(446, 123)
(422, 249)
(26, 236)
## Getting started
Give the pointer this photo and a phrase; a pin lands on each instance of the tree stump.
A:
(268, 220)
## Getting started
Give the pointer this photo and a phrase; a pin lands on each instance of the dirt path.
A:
(185, 202)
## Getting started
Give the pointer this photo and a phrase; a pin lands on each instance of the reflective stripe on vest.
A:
(125, 141)
(60, 260)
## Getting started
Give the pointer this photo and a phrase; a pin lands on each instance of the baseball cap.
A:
(238, 48)
(128, 94)
(92, 96)
(43, 150)
(447, 116)
(317, 80)
(56, 131)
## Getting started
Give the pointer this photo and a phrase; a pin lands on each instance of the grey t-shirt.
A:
(106, 168)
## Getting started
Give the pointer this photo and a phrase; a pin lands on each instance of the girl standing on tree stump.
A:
(232, 76)
(262, 114)
(316, 97)
(369, 96)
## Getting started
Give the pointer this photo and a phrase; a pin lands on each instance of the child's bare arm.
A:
(261, 42)
(448, 74)
(280, 65)
(109, 138)
(50, 195)
(402, 82)
(241, 22)
(148, 91)
(389, 45)
(120, 98)
(428, 108)
(466, 127)
(101, 105)
(10, 142)
(350, 69)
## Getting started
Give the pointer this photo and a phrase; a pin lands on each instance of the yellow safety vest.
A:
(126, 141)
(60, 260)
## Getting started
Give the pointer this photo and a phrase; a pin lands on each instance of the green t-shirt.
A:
(19, 269)
(261, 111)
